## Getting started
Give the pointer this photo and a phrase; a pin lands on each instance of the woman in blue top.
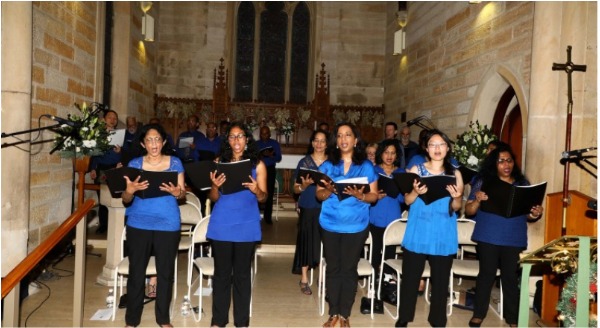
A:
(431, 234)
(387, 208)
(152, 223)
(234, 229)
(308, 242)
(344, 223)
(499, 240)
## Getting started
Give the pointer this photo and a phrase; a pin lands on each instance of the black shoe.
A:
(268, 222)
(475, 324)
(401, 323)
(100, 230)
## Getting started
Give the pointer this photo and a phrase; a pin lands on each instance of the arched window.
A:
(272, 52)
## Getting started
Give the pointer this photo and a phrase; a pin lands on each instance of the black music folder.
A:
(510, 201)
(206, 155)
(388, 185)
(436, 185)
(117, 184)
(315, 175)
(467, 174)
(356, 182)
(236, 173)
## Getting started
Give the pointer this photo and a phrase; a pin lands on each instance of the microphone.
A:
(576, 152)
(63, 121)
(593, 204)
(415, 120)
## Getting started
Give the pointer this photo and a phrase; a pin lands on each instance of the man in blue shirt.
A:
(410, 147)
(211, 143)
(188, 153)
(270, 152)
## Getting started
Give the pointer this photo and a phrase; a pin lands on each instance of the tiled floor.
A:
(277, 300)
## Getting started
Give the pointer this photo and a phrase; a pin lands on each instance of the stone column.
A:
(16, 45)
(116, 224)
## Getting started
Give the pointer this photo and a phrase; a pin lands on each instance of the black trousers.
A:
(412, 270)
(390, 252)
(233, 265)
(140, 245)
(492, 257)
(342, 252)
(271, 175)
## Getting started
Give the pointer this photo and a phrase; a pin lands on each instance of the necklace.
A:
(319, 160)
(153, 164)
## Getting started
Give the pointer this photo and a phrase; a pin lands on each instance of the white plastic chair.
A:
(205, 265)
(470, 268)
(190, 215)
(122, 270)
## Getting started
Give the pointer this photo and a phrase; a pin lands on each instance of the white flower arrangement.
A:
(471, 146)
(89, 138)
(303, 115)
(287, 128)
(353, 116)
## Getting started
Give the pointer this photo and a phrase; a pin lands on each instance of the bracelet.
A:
(180, 194)
(300, 187)
(534, 217)
(363, 198)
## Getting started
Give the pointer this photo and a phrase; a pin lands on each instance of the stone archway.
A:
(500, 103)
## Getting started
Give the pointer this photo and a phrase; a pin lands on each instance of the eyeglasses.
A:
(505, 160)
(232, 137)
(437, 145)
(153, 140)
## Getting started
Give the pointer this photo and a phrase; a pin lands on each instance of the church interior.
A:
(525, 69)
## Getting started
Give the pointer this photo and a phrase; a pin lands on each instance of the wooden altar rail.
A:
(32, 260)
(174, 112)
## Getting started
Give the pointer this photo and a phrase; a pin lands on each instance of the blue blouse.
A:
(159, 213)
(495, 229)
(350, 215)
(235, 217)
(308, 197)
(430, 228)
(386, 209)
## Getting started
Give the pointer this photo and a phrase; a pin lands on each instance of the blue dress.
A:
(349, 215)
(159, 213)
(386, 209)
(430, 229)
(235, 217)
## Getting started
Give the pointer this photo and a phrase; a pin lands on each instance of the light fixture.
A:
(147, 21)
(400, 35)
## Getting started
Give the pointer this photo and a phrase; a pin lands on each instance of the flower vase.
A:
(287, 140)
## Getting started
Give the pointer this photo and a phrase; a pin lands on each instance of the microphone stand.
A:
(5, 135)
(577, 161)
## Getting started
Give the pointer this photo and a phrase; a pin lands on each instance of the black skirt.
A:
(308, 241)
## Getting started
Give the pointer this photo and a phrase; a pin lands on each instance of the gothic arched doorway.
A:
(507, 123)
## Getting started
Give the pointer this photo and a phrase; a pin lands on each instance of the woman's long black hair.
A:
(251, 151)
(333, 153)
(489, 167)
(382, 147)
(166, 148)
(311, 149)
(448, 168)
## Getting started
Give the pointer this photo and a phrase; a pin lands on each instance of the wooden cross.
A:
(569, 68)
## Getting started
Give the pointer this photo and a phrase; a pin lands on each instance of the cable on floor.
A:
(42, 303)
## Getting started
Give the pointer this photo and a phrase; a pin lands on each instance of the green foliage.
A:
(568, 298)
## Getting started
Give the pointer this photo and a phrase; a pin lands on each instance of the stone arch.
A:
(493, 86)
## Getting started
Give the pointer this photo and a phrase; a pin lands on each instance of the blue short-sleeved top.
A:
(235, 217)
(386, 209)
(308, 197)
(431, 229)
(159, 213)
(495, 229)
(349, 215)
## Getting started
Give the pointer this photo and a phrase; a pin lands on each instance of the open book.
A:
(315, 175)
(236, 173)
(436, 185)
(510, 201)
(356, 182)
(117, 137)
(117, 184)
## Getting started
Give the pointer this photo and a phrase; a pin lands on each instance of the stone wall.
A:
(64, 44)
(348, 37)
(450, 47)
